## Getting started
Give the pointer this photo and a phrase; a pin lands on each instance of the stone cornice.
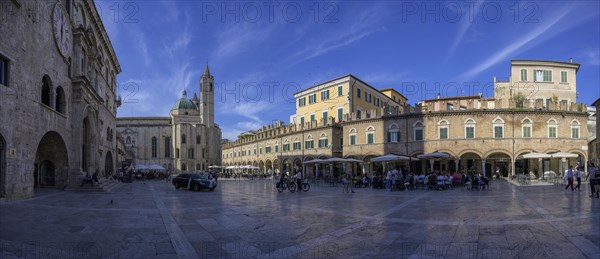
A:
(99, 26)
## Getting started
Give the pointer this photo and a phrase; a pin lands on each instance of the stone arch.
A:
(465, 151)
(109, 167)
(449, 152)
(3, 152)
(470, 121)
(414, 153)
(498, 162)
(352, 155)
(352, 130)
(393, 126)
(498, 119)
(526, 120)
(51, 165)
(369, 167)
(498, 150)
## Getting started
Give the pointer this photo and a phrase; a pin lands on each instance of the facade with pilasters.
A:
(480, 134)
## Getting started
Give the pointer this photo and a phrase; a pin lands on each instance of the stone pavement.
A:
(250, 219)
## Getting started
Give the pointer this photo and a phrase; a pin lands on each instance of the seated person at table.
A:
(87, 179)
(440, 181)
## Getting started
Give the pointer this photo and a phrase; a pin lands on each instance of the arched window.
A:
(323, 141)
(107, 134)
(470, 129)
(498, 127)
(526, 128)
(552, 128)
(352, 137)
(167, 147)
(198, 139)
(370, 135)
(418, 131)
(183, 139)
(443, 129)
(128, 140)
(198, 167)
(575, 126)
(393, 135)
(309, 143)
(154, 147)
(183, 167)
(60, 100)
(46, 85)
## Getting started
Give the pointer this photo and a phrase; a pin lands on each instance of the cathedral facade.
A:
(58, 99)
(187, 140)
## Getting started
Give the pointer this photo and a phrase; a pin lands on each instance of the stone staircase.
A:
(103, 186)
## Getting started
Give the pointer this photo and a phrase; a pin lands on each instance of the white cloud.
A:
(385, 78)
(366, 23)
(465, 24)
(237, 38)
(543, 32)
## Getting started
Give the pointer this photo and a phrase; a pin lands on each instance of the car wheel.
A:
(177, 186)
(212, 189)
(196, 187)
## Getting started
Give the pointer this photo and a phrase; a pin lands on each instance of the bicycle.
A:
(286, 184)
(305, 186)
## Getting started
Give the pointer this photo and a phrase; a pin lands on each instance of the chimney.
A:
(570, 60)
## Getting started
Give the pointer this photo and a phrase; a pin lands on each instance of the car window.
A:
(184, 176)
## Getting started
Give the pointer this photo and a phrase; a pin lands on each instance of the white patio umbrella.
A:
(141, 167)
(342, 160)
(156, 167)
(564, 155)
(314, 161)
(390, 157)
(434, 155)
(533, 155)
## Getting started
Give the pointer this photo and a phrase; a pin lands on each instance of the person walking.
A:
(578, 178)
(569, 179)
(592, 178)
(345, 183)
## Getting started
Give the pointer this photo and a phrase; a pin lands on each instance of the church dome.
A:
(184, 103)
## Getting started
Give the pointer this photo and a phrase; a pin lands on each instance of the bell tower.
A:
(207, 99)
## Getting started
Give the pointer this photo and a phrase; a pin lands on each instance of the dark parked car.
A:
(195, 181)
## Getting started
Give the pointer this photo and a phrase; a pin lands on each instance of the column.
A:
(585, 169)
(483, 166)
(431, 164)
(540, 170)
(564, 166)
(512, 166)
(456, 165)
(331, 169)
(303, 170)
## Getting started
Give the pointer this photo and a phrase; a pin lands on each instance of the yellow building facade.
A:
(479, 134)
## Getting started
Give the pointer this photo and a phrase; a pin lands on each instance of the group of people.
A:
(397, 180)
(575, 174)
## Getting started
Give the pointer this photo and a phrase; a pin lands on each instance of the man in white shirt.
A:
(570, 179)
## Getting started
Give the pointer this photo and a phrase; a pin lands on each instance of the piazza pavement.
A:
(250, 219)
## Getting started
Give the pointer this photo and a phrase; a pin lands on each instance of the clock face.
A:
(62, 31)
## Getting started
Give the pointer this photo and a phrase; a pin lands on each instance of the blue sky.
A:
(260, 53)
